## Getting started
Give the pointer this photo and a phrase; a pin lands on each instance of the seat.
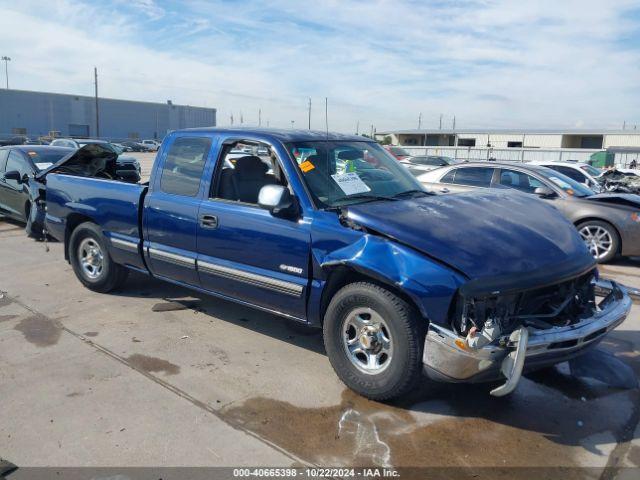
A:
(244, 182)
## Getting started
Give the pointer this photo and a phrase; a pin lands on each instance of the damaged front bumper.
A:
(447, 358)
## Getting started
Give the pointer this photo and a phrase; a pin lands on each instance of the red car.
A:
(397, 152)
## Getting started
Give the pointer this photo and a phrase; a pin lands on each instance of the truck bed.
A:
(113, 205)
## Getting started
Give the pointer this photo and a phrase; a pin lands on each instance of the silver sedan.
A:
(609, 223)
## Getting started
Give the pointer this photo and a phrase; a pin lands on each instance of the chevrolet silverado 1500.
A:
(331, 231)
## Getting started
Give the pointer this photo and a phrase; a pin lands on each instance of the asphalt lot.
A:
(155, 375)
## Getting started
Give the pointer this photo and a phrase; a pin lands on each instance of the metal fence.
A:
(505, 154)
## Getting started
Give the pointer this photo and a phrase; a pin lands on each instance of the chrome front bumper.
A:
(447, 358)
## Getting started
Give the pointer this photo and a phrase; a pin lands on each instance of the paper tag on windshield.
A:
(43, 165)
(350, 183)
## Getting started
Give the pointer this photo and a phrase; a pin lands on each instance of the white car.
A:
(420, 164)
(153, 145)
(578, 171)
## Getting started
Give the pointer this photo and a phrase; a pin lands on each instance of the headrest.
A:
(350, 155)
(251, 166)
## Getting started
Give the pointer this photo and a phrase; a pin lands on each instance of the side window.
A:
(572, 173)
(17, 162)
(474, 176)
(448, 178)
(182, 170)
(519, 181)
(3, 160)
(244, 168)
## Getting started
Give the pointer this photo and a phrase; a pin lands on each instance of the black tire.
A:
(613, 234)
(407, 332)
(111, 275)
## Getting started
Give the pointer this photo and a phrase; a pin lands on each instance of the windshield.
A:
(44, 159)
(346, 173)
(593, 171)
(568, 185)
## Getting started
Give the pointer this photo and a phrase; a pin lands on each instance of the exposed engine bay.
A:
(621, 182)
(483, 320)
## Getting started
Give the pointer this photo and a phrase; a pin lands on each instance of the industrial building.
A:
(42, 114)
(568, 139)
(519, 145)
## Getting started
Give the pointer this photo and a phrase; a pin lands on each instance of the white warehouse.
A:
(518, 145)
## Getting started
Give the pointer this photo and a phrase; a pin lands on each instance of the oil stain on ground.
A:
(152, 364)
(447, 425)
(39, 330)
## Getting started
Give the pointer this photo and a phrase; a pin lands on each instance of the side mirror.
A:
(275, 198)
(13, 175)
(544, 192)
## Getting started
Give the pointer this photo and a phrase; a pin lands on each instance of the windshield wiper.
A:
(411, 192)
(367, 197)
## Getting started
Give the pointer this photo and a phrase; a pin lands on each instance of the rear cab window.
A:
(183, 166)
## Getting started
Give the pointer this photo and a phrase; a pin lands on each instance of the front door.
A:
(171, 210)
(244, 251)
(15, 194)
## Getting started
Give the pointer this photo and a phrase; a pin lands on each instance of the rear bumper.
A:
(444, 360)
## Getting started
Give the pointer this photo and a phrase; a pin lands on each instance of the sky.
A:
(381, 63)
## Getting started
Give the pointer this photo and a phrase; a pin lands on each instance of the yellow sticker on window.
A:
(307, 166)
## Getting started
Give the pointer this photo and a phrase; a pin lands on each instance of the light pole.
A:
(6, 69)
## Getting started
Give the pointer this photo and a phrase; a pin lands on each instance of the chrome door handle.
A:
(444, 190)
(208, 221)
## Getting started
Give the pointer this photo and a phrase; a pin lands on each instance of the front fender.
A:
(430, 285)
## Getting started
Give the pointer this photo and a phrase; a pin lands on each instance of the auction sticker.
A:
(350, 183)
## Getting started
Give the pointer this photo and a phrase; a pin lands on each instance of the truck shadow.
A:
(171, 298)
(458, 424)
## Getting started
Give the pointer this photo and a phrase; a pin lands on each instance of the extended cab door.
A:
(244, 251)
(171, 209)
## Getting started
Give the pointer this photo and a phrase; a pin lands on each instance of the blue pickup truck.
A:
(331, 231)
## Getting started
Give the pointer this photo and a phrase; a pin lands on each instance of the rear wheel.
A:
(91, 261)
(601, 238)
(374, 341)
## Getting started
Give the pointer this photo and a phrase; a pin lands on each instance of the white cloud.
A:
(489, 63)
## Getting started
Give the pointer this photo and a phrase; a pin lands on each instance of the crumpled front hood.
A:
(81, 157)
(481, 234)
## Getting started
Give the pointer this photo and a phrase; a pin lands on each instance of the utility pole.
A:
(624, 124)
(420, 121)
(440, 127)
(309, 113)
(357, 127)
(292, 122)
(454, 123)
(95, 76)
(6, 68)
(259, 117)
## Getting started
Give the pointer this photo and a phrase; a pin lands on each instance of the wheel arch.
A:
(73, 220)
(339, 276)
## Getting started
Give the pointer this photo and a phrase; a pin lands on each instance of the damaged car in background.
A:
(609, 223)
(474, 287)
(96, 160)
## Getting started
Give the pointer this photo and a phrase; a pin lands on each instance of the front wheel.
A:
(601, 238)
(374, 341)
(91, 261)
